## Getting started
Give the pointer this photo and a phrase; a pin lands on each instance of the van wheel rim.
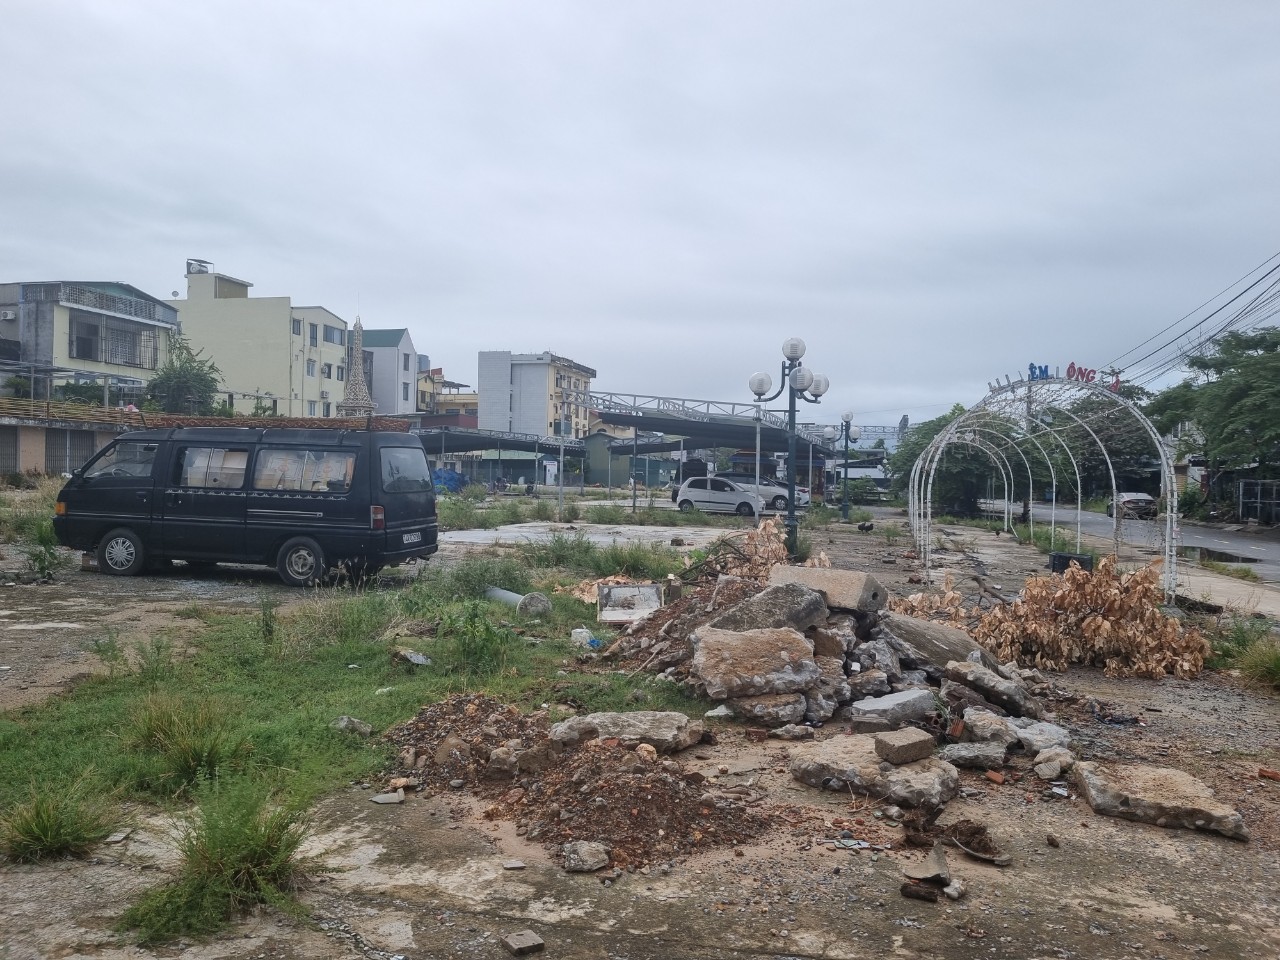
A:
(301, 563)
(120, 553)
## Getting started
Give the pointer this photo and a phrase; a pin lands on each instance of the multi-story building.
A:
(77, 331)
(532, 393)
(394, 378)
(273, 355)
(437, 395)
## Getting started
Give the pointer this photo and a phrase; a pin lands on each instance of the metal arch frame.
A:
(1053, 474)
(1006, 470)
(920, 513)
(1025, 461)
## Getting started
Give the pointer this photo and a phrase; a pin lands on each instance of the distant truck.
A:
(302, 501)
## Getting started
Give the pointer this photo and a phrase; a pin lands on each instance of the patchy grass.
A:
(55, 820)
(1231, 570)
(581, 555)
(27, 514)
(1261, 662)
(1230, 640)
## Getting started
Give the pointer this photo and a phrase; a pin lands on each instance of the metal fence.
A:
(1258, 500)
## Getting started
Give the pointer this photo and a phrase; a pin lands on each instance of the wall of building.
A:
(493, 387)
(390, 377)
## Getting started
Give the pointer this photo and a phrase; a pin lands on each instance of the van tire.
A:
(121, 554)
(301, 562)
(744, 510)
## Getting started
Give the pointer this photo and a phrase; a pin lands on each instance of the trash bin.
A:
(1060, 562)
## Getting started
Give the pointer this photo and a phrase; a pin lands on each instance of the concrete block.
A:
(842, 589)
(904, 746)
(523, 942)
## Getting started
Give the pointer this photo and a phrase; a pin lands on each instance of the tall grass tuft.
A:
(466, 579)
(54, 821)
(239, 850)
(1261, 662)
(607, 513)
(183, 740)
(472, 644)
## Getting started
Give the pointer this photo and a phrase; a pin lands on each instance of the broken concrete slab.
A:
(974, 756)
(1063, 757)
(819, 707)
(665, 730)
(1004, 693)
(983, 726)
(843, 762)
(833, 683)
(868, 683)
(896, 708)
(930, 646)
(932, 869)
(792, 732)
(776, 710)
(781, 605)
(752, 663)
(878, 655)
(584, 856)
(396, 797)
(1157, 795)
(826, 642)
(842, 589)
(959, 697)
(905, 746)
(522, 943)
(352, 725)
(1035, 737)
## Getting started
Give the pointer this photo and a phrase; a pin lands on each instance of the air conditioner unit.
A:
(8, 315)
(324, 394)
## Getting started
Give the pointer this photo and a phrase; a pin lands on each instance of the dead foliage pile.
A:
(1101, 618)
(588, 591)
(644, 809)
(750, 556)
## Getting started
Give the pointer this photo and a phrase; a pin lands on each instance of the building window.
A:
(404, 390)
(326, 371)
(297, 326)
(313, 331)
(311, 408)
(328, 408)
(311, 368)
(406, 362)
(342, 373)
(335, 335)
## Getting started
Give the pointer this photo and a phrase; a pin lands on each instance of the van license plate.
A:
(413, 537)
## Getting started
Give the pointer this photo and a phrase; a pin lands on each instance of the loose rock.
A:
(1157, 795)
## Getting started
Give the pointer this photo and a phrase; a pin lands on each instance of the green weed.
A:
(607, 513)
(469, 642)
(239, 850)
(1261, 662)
(55, 821)
(1231, 570)
(183, 740)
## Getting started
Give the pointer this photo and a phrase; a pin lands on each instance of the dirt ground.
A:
(425, 879)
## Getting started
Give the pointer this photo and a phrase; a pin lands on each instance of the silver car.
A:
(718, 495)
(772, 492)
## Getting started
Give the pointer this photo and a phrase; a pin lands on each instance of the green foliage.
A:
(468, 579)
(819, 515)
(580, 555)
(471, 643)
(186, 383)
(241, 849)
(1236, 571)
(43, 554)
(571, 513)
(542, 510)
(961, 477)
(607, 513)
(182, 740)
(1261, 662)
(1247, 644)
(55, 820)
(473, 493)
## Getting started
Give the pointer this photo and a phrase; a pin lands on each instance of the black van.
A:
(302, 501)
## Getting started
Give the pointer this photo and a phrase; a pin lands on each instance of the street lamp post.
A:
(849, 432)
(798, 382)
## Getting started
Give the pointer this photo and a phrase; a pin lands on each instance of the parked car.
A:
(1140, 505)
(772, 492)
(717, 495)
(302, 501)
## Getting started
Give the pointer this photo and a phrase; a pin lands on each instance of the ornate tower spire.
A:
(356, 401)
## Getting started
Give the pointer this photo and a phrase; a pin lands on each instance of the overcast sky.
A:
(930, 194)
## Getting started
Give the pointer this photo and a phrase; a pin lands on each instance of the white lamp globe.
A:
(820, 384)
(829, 432)
(855, 434)
(801, 379)
(847, 416)
(760, 384)
(793, 348)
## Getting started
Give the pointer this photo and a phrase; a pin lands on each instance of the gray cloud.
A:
(930, 194)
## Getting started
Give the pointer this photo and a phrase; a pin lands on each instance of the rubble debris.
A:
(975, 756)
(983, 726)
(749, 555)
(842, 589)
(995, 776)
(626, 603)
(522, 943)
(395, 797)
(868, 683)
(584, 638)
(792, 732)
(919, 891)
(584, 856)
(852, 763)
(781, 605)
(896, 708)
(1157, 795)
(904, 746)
(932, 869)
(722, 712)
(665, 731)
(927, 644)
(753, 662)
(994, 688)
(775, 710)
(1035, 737)
(588, 591)
(1265, 774)
(1060, 755)
(955, 890)
(512, 864)
(352, 725)
(411, 657)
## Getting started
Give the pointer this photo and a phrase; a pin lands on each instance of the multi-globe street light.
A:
(849, 432)
(798, 381)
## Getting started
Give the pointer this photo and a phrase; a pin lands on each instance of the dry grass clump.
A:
(1099, 618)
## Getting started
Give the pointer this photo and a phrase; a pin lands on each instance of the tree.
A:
(1238, 406)
(961, 477)
(186, 383)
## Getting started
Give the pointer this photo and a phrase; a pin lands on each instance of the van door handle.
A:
(142, 495)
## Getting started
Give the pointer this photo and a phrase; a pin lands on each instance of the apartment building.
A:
(532, 393)
(438, 395)
(393, 374)
(273, 354)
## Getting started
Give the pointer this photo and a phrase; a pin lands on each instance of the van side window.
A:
(216, 467)
(126, 459)
(295, 468)
(404, 470)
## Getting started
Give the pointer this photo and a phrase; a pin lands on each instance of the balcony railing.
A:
(71, 293)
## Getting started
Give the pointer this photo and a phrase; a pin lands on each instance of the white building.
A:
(393, 383)
(532, 393)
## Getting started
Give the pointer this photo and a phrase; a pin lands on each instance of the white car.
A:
(717, 495)
(772, 492)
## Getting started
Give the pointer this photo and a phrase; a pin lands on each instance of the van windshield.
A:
(404, 470)
(128, 458)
